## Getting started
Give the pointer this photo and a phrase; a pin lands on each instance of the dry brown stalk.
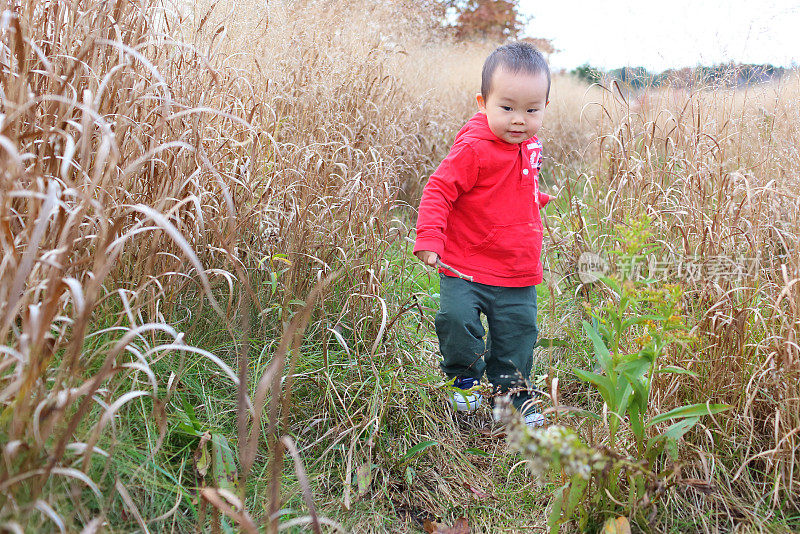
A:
(143, 167)
(443, 265)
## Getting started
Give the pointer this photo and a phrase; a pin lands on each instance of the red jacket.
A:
(480, 209)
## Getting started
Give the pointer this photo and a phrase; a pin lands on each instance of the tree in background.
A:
(635, 77)
(727, 74)
(587, 73)
(496, 20)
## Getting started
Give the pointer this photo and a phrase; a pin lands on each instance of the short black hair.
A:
(516, 57)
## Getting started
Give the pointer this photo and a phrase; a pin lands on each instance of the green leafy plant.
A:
(220, 460)
(626, 378)
(629, 333)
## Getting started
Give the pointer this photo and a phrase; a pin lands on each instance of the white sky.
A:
(666, 33)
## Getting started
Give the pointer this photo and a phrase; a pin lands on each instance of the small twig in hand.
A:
(443, 265)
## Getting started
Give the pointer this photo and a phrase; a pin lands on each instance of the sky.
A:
(665, 34)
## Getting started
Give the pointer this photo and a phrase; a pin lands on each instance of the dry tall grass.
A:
(717, 171)
(145, 165)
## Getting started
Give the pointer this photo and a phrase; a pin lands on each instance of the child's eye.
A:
(505, 108)
(532, 110)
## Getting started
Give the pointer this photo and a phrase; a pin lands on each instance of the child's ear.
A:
(481, 103)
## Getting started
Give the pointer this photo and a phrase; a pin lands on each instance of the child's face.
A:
(515, 106)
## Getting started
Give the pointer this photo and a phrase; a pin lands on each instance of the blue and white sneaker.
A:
(465, 397)
(534, 419)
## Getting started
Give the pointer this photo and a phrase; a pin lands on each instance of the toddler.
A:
(479, 214)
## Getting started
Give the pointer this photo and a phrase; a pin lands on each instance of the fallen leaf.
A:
(460, 527)
(202, 459)
(477, 492)
(363, 478)
(409, 475)
(223, 465)
(619, 525)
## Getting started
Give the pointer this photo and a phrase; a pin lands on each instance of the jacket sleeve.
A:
(544, 198)
(456, 174)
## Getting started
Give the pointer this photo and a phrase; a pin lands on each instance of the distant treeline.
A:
(729, 74)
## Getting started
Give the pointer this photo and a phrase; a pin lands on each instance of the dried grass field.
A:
(210, 318)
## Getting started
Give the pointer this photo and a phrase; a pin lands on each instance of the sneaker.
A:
(534, 419)
(465, 398)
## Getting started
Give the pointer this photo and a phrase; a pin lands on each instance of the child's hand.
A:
(427, 257)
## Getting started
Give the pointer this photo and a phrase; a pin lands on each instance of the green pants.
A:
(507, 354)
